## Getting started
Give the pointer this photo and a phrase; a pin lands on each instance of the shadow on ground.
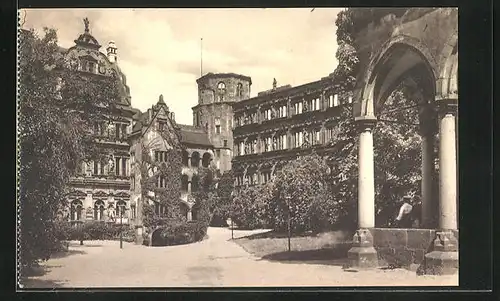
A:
(273, 234)
(328, 256)
(68, 253)
(31, 278)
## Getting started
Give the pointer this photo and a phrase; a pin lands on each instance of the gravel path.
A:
(216, 261)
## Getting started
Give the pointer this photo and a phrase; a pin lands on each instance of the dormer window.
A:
(87, 66)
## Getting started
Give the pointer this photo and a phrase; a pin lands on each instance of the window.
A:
(117, 131)
(88, 66)
(225, 143)
(103, 163)
(217, 152)
(217, 125)
(239, 90)
(160, 126)
(333, 101)
(96, 168)
(221, 90)
(99, 210)
(117, 166)
(124, 166)
(120, 209)
(132, 212)
(76, 210)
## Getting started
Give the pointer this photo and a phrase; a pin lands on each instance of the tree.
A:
(296, 186)
(57, 109)
(206, 196)
(224, 195)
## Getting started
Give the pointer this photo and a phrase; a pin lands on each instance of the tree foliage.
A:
(57, 108)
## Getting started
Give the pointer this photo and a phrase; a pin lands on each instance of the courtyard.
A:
(214, 262)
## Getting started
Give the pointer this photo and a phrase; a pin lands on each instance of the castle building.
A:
(108, 190)
(100, 189)
(280, 124)
(214, 112)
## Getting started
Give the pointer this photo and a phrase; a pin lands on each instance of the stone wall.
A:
(403, 247)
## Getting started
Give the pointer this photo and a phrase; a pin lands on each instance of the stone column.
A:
(189, 161)
(189, 215)
(363, 254)
(444, 257)
(429, 202)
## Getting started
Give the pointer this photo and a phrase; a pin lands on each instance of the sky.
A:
(159, 50)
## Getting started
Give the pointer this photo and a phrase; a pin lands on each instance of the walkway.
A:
(216, 261)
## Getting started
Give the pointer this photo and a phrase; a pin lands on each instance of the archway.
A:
(206, 159)
(195, 159)
(404, 59)
(156, 239)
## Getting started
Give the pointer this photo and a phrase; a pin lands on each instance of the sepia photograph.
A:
(237, 148)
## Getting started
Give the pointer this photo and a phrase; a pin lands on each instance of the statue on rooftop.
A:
(275, 83)
(86, 22)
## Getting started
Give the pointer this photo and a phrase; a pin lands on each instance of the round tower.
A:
(214, 112)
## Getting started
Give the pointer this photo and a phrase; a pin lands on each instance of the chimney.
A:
(111, 52)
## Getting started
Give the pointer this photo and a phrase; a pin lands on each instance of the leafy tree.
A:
(206, 196)
(57, 109)
(223, 199)
(248, 209)
(297, 186)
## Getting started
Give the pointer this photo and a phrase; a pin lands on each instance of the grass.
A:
(327, 246)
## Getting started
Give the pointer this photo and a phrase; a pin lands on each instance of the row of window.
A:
(281, 142)
(119, 166)
(281, 111)
(110, 130)
(99, 211)
(253, 178)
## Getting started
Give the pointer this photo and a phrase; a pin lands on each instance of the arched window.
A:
(99, 210)
(76, 210)
(239, 90)
(206, 159)
(221, 90)
(184, 183)
(195, 181)
(120, 208)
(185, 158)
(195, 159)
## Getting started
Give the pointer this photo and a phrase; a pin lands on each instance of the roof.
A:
(224, 75)
(194, 135)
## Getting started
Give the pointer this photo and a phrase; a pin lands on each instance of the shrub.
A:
(180, 232)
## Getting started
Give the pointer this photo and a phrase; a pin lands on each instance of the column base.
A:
(139, 239)
(362, 255)
(443, 259)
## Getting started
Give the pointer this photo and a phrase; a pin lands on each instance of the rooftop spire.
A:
(275, 83)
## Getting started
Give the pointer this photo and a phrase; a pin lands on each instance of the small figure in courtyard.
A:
(409, 213)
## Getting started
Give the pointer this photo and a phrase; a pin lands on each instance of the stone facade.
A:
(100, 190)
(214, 112)
(110, 189)
(280, 124)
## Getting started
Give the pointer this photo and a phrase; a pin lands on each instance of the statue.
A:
(86, 22)
(305, 133)
(275, 83)
(161, 98)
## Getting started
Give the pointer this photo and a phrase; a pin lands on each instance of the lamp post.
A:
(289, 222)
(121, 228)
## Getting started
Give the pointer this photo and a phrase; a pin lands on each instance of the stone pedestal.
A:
(362, 254)
(138, 235)
(443, 260)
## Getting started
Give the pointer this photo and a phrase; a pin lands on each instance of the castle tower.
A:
(111, 52)
(216, 94)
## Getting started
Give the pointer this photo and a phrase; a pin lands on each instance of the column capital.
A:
(366, 123)
(447, 106)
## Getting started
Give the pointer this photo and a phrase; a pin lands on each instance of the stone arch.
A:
(155, 238)
(185, 158)
(195, 159)
(207, 157)
(447, 83)
(76, 210)
(399, 57)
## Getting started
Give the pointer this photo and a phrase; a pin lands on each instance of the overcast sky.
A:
(159, 49)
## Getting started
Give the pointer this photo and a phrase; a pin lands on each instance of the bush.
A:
(180, 232)
(93, 230)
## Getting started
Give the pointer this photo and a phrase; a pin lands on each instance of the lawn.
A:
(308, 247)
